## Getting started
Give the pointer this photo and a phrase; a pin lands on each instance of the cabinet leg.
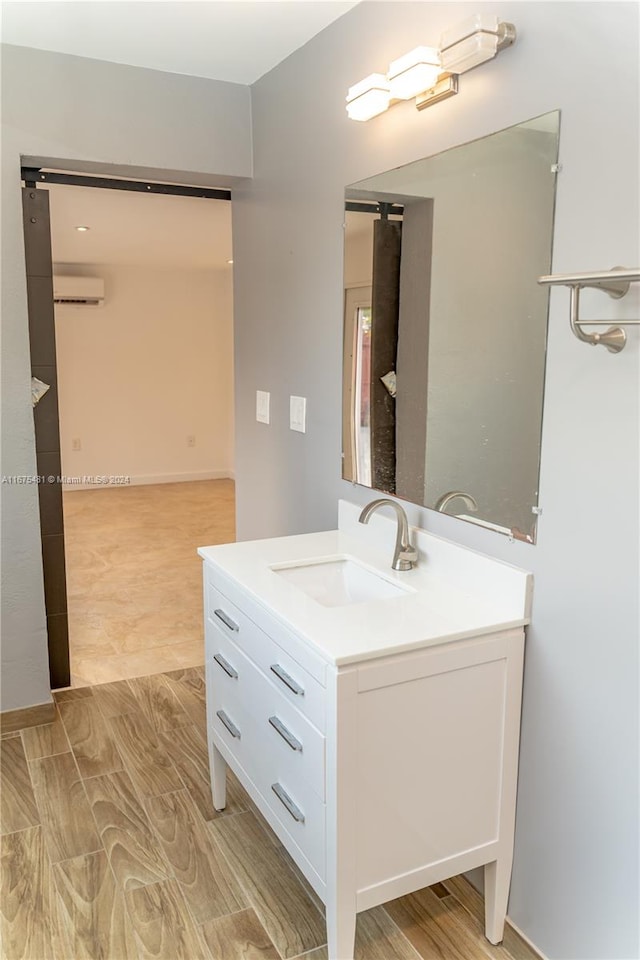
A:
(218, 777)
(497, 879)
(341, 932)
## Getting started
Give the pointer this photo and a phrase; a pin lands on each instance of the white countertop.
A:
(455, 593)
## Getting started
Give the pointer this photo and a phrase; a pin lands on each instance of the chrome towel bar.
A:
(616, 283)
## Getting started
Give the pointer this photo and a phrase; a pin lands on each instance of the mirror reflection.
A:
(445, 326)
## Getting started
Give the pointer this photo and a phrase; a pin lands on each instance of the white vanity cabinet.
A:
(380, 774)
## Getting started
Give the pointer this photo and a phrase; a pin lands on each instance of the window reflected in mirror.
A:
(362, 369)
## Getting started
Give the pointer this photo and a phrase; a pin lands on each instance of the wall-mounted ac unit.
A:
(84, 291)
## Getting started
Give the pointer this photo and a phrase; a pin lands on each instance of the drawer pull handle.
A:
(287, 680)
(228, 669)
(231, 727)
(286, 800)
(228, 622)
(286, 735)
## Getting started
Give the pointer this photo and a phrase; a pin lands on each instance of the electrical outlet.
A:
(76, 444)
(191, 440)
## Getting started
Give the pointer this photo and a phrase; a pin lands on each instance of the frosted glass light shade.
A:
(469, 53)
(480, 22)
(368, 98)
(413, 73)
(474, 41)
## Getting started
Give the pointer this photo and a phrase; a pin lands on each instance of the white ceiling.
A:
(237, 40)
(139, 229)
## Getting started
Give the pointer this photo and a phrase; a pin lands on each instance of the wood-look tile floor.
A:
(111, 849)
(134, 580)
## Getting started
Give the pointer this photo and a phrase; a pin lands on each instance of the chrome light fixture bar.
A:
(445, 87)
(430, 74)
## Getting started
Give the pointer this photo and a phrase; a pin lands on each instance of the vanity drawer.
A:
(279, 730)
(300, 811)
(227, 675)
(288, 675)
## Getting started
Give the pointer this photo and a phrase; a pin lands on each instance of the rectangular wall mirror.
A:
(445, 326)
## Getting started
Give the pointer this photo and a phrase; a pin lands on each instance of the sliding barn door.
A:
(387, 243)
(37, 242)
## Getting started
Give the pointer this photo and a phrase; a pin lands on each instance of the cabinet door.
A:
(429, 769)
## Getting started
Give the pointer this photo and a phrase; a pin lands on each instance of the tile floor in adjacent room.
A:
(134, 579)
(112, 849)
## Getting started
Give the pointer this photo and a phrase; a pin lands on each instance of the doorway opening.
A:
(140, 401)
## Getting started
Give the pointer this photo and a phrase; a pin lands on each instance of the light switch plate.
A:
(262, 406)
(298, 414)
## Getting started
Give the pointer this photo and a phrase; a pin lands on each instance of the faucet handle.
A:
(407, 558)
(409, 553)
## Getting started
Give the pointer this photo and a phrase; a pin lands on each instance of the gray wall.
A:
(575, 886)
(82, 114)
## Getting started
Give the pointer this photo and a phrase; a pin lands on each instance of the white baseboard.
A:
(147, 479)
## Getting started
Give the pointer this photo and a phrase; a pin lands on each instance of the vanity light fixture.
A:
(431, 74)
(83, 229)
(368, 98)
(474, 41)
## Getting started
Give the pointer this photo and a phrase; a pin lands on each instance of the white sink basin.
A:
(336, 582)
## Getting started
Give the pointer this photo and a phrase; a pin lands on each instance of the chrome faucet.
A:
(405, 555)
(446, 498)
